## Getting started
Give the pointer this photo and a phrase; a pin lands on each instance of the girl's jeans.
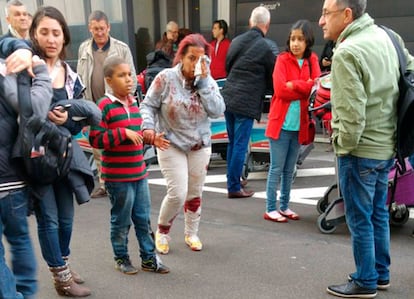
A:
(283, 155)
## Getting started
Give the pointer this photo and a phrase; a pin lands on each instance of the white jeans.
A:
(185, 174)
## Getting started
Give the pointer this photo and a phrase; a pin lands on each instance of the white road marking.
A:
(308, 196)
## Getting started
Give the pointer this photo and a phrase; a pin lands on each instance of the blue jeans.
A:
(364, 186)
(238, 130)
(54, 214)
(14, 225)
(283, 156)
(130, 201)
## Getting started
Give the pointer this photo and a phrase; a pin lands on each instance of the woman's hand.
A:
(160, 142)
(289, 85)
(57, 117)
(37, 61)
(135, 137)
(326, 62)
(18, 61)
(149, 136)
(204, 69)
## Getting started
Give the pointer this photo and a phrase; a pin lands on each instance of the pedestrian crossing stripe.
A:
(308, 196)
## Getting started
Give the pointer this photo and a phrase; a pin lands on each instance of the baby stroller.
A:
(400, 198)
(331, 206)
(319, 101)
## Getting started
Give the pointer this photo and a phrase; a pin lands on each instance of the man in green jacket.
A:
(365, 74)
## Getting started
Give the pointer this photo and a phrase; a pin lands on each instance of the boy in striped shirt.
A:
(119, 135)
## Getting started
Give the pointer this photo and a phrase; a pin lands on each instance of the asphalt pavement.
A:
(244, 256)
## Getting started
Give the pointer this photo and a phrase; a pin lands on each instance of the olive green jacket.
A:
(365, 74)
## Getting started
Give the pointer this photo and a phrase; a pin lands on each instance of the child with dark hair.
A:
(293, 78)
(119, 135)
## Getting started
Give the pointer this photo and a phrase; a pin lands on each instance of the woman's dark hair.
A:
(191, 40)
(183, 32)
(307, 31)
(53, 13)
(222, 25)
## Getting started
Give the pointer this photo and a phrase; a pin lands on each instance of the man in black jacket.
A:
(249, 65)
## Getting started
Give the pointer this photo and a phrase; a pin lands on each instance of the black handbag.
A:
(42, 150)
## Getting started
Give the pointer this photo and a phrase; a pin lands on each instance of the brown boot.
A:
(76, 277)
(65, 285)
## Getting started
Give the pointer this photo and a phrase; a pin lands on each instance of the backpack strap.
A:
(401, 104)
(23, 93)
(397, 46)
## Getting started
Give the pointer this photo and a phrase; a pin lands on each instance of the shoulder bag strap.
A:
(23, 94)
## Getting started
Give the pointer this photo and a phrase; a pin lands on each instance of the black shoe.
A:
(154, 264)
(240, 194)
(351, 290)
(125, 266)
(381, 284)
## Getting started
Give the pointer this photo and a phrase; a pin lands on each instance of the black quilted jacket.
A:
(249, 65)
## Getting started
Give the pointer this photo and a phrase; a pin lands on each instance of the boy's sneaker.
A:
(154, 264)
(161, 242)
(125, 266)
(193, 242)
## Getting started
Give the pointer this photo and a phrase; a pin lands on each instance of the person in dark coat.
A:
(325, 60)
(157, 61)
(19, 281)
(249, 66)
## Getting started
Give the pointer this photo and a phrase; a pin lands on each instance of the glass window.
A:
(112, 8)
(206, 15)
(73, 10)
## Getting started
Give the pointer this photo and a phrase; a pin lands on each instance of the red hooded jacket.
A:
(218, 61)
(287, 69)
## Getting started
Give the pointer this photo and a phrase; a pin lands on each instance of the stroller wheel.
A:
(399, 216)
(327, 198)
(247, 166)
(323, 226)
(322, 204)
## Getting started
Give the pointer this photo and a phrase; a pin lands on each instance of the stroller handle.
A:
(326, 105)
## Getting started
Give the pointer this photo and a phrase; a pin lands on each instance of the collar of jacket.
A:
(258, 30)
(104, 48)
(357, 25)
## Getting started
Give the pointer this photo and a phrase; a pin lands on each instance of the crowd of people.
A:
(181, 96)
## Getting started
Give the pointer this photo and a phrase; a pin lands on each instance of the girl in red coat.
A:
(293, 78)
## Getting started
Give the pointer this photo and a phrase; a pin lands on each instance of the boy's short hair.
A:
(110, 64)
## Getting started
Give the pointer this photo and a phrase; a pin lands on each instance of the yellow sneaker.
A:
(193, 242)
(161, 242)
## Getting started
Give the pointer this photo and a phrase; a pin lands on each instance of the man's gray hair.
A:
(170, 25)
(260, 15)
(358, 6)
(12, 3)
(98, 15)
